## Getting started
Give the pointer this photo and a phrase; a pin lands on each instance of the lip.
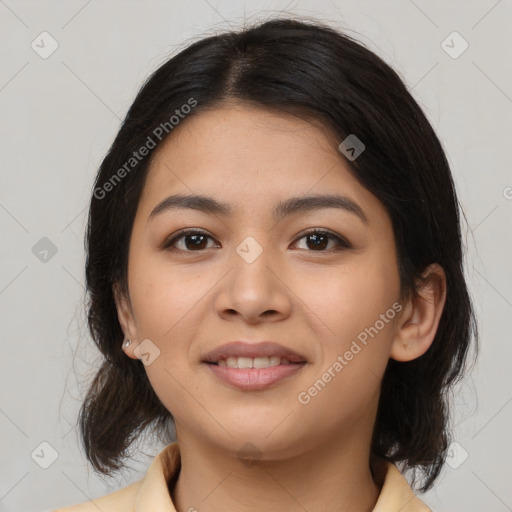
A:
(254, 378)
(251, 349)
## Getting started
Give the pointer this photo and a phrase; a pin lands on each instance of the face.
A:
(320, 279)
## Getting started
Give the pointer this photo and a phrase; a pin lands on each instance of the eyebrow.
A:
(282, 209)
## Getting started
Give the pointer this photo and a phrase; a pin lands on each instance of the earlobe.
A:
(420, 318)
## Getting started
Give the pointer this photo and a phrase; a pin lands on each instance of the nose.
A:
(253, 291)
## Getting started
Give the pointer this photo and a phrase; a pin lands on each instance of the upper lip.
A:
(252, 349)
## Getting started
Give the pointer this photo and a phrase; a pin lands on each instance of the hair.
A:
(307, 69)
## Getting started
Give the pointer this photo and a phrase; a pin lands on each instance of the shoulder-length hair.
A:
(308, 69)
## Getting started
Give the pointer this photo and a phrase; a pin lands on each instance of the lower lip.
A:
(255, 378)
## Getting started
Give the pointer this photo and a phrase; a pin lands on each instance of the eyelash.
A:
(168, 244)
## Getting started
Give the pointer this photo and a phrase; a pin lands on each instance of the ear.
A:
(126, 320)
(419, 320)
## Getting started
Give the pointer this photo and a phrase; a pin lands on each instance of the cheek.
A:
(162, 295)
(358, 308)
(352, 297)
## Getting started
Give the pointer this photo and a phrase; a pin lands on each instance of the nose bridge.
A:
(251, 272)
(250, 250)
(252, 287)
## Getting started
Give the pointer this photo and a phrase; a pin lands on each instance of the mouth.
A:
(242, 354)
(254, 362)
(253, 366)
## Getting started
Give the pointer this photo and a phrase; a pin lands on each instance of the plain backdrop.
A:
(59, 114)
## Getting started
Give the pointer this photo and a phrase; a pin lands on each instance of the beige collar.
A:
(153, 494)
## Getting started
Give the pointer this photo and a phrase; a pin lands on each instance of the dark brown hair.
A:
(308, 69)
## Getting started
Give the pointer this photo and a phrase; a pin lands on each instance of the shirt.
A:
(151, 494)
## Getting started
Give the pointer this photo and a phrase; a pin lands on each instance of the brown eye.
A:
(317, 240)
(192, 241)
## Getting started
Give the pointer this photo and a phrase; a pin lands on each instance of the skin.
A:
(313, 456)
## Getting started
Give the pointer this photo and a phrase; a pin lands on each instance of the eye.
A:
(318, 239)
(193, 240)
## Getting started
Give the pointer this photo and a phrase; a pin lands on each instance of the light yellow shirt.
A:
(151, 494)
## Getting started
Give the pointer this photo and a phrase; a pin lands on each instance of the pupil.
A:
(316, 237)
(197, 238)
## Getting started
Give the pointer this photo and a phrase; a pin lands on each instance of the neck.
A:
(329, 476)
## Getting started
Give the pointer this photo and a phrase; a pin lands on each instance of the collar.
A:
(153, 493)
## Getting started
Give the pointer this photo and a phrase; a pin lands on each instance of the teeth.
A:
(260, 362)
(276, 360)
(252, 362)
(244, 362)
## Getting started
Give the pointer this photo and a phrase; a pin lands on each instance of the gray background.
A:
(59, 116)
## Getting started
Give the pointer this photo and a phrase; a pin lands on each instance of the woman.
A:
(274, 266)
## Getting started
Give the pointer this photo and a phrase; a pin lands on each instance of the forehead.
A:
(243, 137)
(249, 157)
